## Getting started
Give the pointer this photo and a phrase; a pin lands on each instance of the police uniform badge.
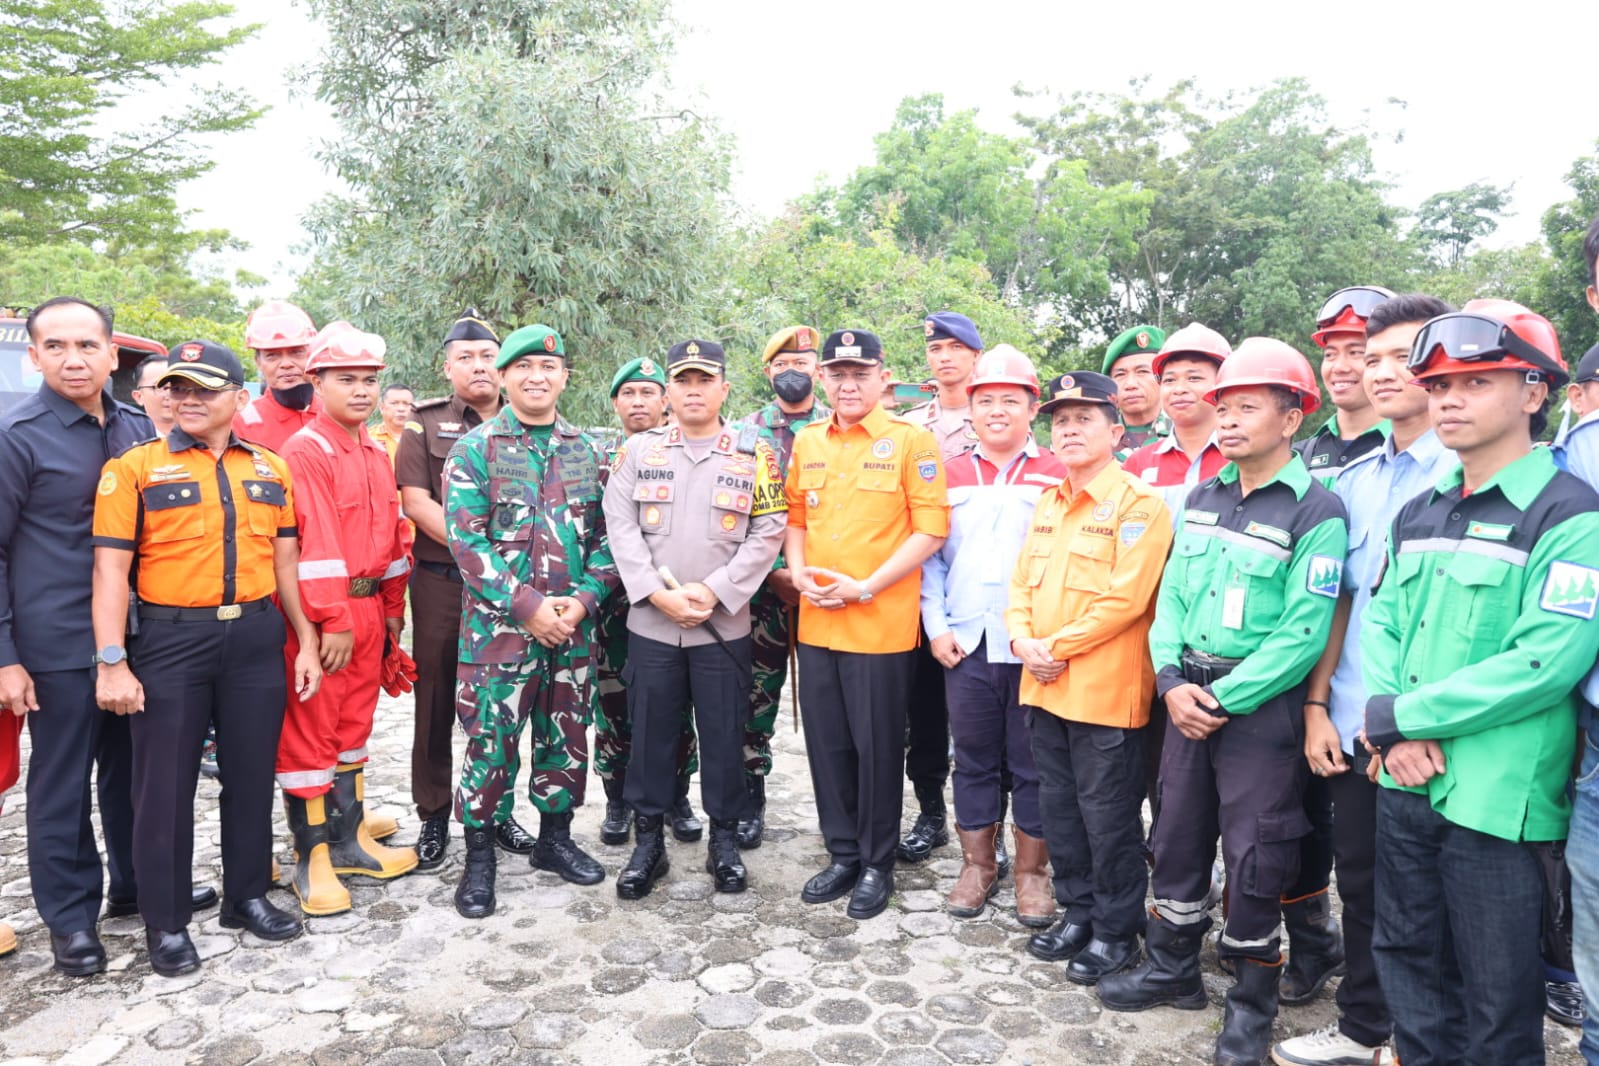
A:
(883, 448)
(730, 522)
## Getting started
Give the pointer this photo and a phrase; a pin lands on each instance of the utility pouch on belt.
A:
(1202, 669)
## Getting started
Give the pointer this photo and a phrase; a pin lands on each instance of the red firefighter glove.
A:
(399, 671)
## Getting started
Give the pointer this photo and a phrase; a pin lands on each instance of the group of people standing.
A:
(1371, 651)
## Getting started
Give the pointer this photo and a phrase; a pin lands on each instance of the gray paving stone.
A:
(854, 1049)
(496, 1014)
(970, 1046)
(477, 1047)
(729, 1011)
(667, 1032)
(725, 1049)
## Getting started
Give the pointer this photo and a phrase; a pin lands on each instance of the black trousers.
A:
(1245, 782)
(1362, 1009)
(73, 738)
(195, 675)
(435, 630)
(854, 740)
(1315, 847)
(662, 679)
(1090, 788)
(927, 718)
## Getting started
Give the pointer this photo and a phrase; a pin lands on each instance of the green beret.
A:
(645, 369)
(529, 340)
(1131, 342)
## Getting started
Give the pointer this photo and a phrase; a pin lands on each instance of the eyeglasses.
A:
(198, 392)
(150, 388)
(1475, 339)
(1361, 299)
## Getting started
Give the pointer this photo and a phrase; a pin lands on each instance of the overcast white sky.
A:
(1492, 92)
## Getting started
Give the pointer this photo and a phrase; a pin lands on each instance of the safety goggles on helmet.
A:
(1361, 299)
(1469, 338)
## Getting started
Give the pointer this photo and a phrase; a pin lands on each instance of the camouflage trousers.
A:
(494, 702)
(613, 728)
(770, 625)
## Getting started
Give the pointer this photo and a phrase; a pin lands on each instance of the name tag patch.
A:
(1489, 531)
(1200, 518)
(1272, 533)
(1572, 589)
(1325, 575)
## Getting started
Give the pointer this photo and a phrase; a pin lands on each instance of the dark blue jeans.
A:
(1459, 915)
(989, 726)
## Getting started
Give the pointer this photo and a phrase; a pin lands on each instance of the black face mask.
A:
(793, 386)
(296, 399)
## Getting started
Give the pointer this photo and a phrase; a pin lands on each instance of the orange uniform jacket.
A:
(350, 525)
(859, 493)
(1085, 583)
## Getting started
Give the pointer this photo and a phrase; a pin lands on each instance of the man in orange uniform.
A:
(209, 523)
(866, 506)
(1082, 598)
(280, 334)
(353, 568)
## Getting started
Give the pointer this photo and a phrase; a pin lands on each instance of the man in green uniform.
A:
(522, 510)
(1355, 427)
(638, 395)
(790, 362)
(1481, 628)
(1245, 607)
(1130, 363)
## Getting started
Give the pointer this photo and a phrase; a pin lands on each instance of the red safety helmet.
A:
(1346, 311)
(1004, 365)
(1192, 339)
(342, 345)
(278, 324)
(1488, 335)
(1268, 361)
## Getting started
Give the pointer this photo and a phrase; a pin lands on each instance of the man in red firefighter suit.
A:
(280, 335)
(353, 567)
(10, 764)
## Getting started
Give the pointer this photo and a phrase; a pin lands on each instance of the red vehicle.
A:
(18, 378)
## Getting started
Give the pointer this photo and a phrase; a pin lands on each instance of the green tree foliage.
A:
(1448, 223)
(1561, 289)
(66, 67)
(516, 157)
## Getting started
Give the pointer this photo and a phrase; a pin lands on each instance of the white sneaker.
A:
(1329, 1047)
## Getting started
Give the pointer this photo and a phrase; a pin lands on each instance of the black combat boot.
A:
(557, 852)
(686, 825)
(1315, 948)
(648, 863)
(750, 829)
(474, 894)
(931, 829)
(722, 860)
(1169, 973)
(1245, 1038)
(615, 828)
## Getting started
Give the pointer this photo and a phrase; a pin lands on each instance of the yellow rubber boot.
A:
(351, 848)
(8, 940)
(313, 880)
(380, 826)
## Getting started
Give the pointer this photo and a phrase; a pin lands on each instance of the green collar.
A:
(1329, 428)
(1520, 482)
(1293, 474)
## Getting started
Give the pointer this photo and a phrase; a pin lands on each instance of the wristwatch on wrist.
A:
(110, 655)
(866, 595)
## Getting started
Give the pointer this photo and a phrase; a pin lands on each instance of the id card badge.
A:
(1232, 607)
(995, 572)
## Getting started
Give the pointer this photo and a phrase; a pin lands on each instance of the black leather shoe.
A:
(930, 831)
(171, 954)
(474, 893)
(648, 863)
(1101, 958)
(617, 825)
(557, 852)
(1060, 941)
(686, 825)
(1563, 1003)
(513, 838)
(78, 954)
(837, 880)
(261, 918)
(871, 893)
(722, 860)
(432, 842)
(200, 897)
(751, 829)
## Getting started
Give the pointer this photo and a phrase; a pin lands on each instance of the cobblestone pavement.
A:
(573, 975)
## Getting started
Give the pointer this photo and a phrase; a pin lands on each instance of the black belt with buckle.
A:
(362, 587)
(444, 570)
(227, 612)
(1200, 668)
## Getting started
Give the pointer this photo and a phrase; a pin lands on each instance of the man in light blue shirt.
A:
(965, 588)
(1373, 488)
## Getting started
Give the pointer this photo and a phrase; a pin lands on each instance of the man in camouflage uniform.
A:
(638, 395)
(522, 511)
(790, 362)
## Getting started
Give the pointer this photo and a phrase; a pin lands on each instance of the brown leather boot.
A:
(1035, 892)
(979, 875)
